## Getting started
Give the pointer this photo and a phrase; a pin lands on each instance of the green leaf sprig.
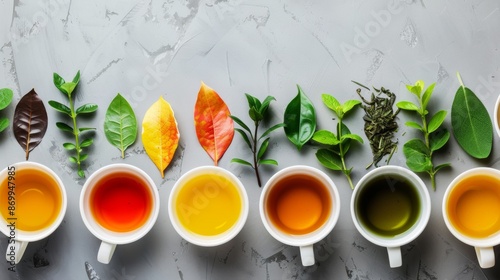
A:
(67, 89)
(471, 123)
(338, 144)
(6, 95)
(299, 119)
(257, 144)
(419, 153)
(120, 124)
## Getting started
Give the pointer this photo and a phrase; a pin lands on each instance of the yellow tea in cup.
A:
(208, 204)
(473, 206)
(38, 199)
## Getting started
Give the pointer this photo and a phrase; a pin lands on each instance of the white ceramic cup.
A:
(390, 174)
(206, 193)
(483, 246)
(19, 239)
(304, 241)
(496, 117)
(112, 238)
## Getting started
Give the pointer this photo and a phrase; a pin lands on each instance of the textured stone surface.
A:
(146, 49)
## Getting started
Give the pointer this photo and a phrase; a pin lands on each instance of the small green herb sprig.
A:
(67, 88)
(419, 153)
(257, 144)
(333, 157)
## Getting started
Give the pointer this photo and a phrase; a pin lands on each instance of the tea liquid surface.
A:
(388, 206)
(474, 206)
(298, 204)
(208, 204)
(38, 199)
(121, 202)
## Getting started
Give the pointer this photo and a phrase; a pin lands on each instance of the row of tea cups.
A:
(208, 206)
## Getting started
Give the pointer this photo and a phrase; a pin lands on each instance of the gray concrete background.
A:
(147, 49)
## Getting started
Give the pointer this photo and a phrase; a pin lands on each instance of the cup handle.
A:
(485, 256)
(15, 250)
(307, 255)
(106, 251)
(395, 259)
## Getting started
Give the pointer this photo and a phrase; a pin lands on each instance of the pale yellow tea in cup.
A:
(37, 199)
(473, 206)
(208, 204)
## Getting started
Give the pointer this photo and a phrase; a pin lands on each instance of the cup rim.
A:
(318, 234)
(31, 236)
(208, 241)
(490, 241)
(118, 237)
(416, 229)
(495, 116)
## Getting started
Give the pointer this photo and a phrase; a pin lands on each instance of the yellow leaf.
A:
(160, 135)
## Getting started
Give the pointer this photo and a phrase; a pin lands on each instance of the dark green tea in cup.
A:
(388, 205)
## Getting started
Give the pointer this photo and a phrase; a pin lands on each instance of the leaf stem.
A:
(342, 153)
(460, 79)
(76, 133)
(254, 151)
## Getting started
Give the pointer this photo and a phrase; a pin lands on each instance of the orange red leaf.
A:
(160, 135)
(214, 126)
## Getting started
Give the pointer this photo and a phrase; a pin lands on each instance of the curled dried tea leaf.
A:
(30, 121)
(160, 134)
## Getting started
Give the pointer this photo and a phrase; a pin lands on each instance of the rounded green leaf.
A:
(120, 124)
(438, 139)
(60, 107)
(471, 124)
(332, 103)
(329, 159)
(349, 104)
(325, 137)
(300, 119)
(6, 95)
(86, 108)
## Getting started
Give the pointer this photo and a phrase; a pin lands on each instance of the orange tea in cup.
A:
(121, 202)
(473, 206)
(298, 204)
(38, 199)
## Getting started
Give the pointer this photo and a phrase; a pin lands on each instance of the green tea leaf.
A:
(120, 124)
(417, 156)
(64, 127)
(60, 107)
(253, 102)
(300, 119)
(69, 146)
(263, 148)
(427, 95)
(332, 103)
(351, 137)
(325, 137)
(241, 161)
(471, 124)
(407, 105)
(349, 104)
(414, 125)
(438, 139)
(244, 136)
(6, 95)
(265, 104)
(271, 129)
(241, 123)
(4, 123)
(436, 121)
(329, 159)
(86, 108)
(86, 143)
(76, 79)
(255, 115)
(58, 82)
(268, 162)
